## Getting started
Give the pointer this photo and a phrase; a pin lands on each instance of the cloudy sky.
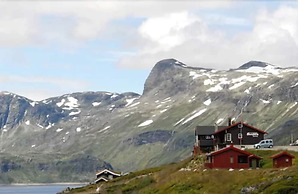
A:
(50, 48)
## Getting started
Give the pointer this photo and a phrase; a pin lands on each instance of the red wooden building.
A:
(282, 159)
(232, 157)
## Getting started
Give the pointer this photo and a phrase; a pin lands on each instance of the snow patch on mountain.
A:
(179, 63)
(219, 121)
(166, 100)
(71, 103)
(215, 88)
(293, 105)
(27, 122)
(59, 104)
(145, 123)
(134, 104)
(114, 95)
(207, 102)
(33, 103)
(96, 104)
(265, 101)
(294, 85)
(268, 69)
(50, 125)
(75, 113)
(194, 75)
(237, 85)
(195, 115)
(59, 129)
(130, 101)
(271, 86)
(104, 129)
(178, 122)
(112, 107)
(40, 126)
(246, 78)
(78, 129)
(209, 82)
(247, 91)
(164, 110)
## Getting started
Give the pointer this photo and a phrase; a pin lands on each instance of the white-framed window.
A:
(228, 137)
(240, 136)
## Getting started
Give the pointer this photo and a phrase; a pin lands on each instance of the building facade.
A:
(209, 138)
(106, 175)
(232, 157)
(282, 160)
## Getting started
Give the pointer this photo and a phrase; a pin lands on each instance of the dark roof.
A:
(247, 125)
(207, 130)
(101, 179)
(231, 147)
(107, 171)
(284, 153)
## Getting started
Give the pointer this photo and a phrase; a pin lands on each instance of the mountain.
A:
(131, 131)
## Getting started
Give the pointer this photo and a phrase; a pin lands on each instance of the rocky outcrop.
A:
(150, 137)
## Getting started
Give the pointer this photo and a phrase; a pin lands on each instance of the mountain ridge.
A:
(120, 128)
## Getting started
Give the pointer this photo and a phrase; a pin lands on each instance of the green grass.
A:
(171, 179)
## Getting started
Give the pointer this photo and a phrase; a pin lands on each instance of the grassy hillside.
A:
(189, 176)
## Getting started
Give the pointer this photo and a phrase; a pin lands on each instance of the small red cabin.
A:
(282, 159)
(232, 157)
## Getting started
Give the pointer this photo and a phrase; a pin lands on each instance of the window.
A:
(287, 160)
(228, 137)
(240, 136)
(242, 159)
(231, 159)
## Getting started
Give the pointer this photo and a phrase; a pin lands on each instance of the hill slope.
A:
(189, 176)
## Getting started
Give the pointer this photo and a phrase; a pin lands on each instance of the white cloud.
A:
(167, 31)
(176, 29)
(27, 22)
(273, 38)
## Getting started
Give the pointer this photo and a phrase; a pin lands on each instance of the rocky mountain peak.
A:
(163, 74)
(167, 63)
(254, 64)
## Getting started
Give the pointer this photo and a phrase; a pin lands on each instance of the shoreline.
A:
(45, 184)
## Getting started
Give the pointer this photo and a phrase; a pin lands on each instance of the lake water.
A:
(34, 189)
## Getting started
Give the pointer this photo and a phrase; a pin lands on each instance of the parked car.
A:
(294, 143)
(265, 143)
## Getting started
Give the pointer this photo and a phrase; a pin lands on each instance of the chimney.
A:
(229, 121)
(215, 127)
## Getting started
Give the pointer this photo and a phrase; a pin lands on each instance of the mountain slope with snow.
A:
(133, 131)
